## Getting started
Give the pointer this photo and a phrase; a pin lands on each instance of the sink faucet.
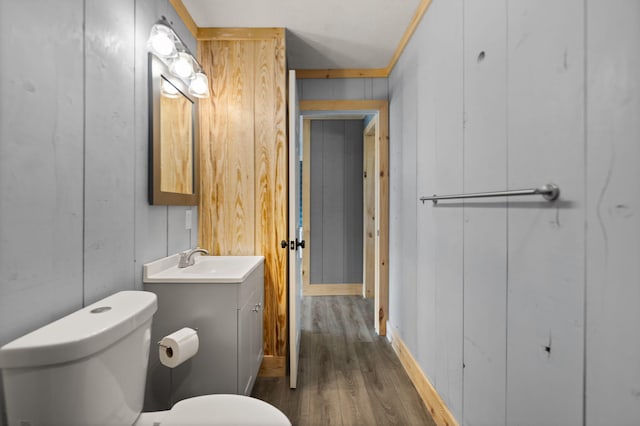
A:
(186, 258)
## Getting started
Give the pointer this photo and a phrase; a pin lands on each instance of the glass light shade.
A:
(161, 41)
(182, 66)
(168, 90)
(199, 86)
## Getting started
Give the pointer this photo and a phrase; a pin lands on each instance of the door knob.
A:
(300, 243)
(284, 244)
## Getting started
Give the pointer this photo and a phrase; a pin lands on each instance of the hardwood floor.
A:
(348, 375)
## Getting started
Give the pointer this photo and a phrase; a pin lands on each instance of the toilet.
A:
(89, 368)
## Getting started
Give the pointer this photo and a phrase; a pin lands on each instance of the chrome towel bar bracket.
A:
(549, 192)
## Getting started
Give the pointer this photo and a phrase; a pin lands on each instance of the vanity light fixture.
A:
(165, 44)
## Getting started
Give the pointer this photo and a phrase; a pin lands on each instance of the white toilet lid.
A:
(228, 410)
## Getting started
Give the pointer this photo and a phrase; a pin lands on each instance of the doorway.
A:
(332, 205)
(375, 203)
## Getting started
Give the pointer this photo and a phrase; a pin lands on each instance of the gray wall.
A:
(75, 224)
(342, 88)
(520, 311)
(336, 201)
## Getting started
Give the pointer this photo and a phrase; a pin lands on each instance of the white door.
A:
(296, 244)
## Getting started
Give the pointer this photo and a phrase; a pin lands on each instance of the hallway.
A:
(348, 375)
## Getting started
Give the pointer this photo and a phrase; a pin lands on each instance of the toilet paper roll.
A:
(178, 347)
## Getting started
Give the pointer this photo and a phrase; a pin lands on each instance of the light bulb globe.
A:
(199, 86)
(182, 66)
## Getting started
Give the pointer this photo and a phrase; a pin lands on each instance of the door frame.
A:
(369, 136)
(380, 108)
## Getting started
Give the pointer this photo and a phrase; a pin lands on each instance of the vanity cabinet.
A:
(228, 317)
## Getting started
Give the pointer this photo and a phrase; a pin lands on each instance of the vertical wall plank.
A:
(426, 110)
(212, 56)
(546, 240)
(406, 205)
(613, 205)
(352, 240)
(109, 151)
(41, 163)
(239, 181)
(271, 181)
(448, 218)
(343, 88)
(485, 230)
(264, 175)
(316, 224)
(277, 256)
(333, 201)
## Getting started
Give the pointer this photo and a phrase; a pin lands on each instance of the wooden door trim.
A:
(349, 289)
(344, 73)
(235, 34)
(381, 109)
(369, 136)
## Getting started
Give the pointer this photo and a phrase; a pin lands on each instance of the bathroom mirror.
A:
(173, 147)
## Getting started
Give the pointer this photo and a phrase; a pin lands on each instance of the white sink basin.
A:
(207, 269)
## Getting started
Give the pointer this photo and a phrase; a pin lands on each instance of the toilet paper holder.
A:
(165, 346)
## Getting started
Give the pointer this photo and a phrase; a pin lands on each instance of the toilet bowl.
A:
(210, 410)
(89, 368)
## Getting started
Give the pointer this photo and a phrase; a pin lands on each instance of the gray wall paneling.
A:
(523, 260)
(448, 220)
(332, 201)
(546, 292)
(41, 157)
(426, 248)
(353, 197)
(485, 230)
(336, 201)
(343, 88)
(316, 200)
(109, 148)
(73, 157)
(403, 203)
(613, 222)
(425, 301)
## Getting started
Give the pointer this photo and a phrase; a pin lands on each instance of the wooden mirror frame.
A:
(157, 71)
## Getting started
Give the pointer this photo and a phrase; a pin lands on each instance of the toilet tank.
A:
(88, 368)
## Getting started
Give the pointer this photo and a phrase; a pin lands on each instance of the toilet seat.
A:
(228, 410)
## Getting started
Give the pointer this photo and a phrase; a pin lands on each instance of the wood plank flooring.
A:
(348, 375)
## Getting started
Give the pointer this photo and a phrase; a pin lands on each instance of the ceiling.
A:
(343, 34)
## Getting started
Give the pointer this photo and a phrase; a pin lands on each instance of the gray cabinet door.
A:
(249, 342)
